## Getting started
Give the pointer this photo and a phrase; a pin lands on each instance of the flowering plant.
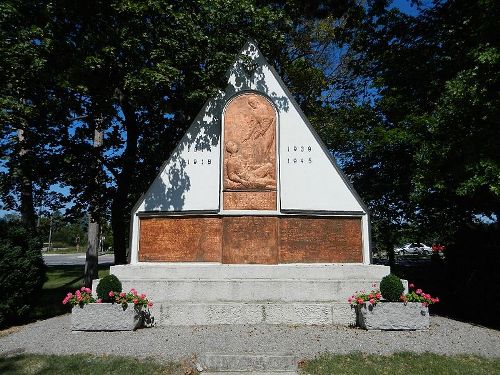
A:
(139, 300)
(373, 297)
(359, 298)
(419, 296)
(84, 296)
(81, 297)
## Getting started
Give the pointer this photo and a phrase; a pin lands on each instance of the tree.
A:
(29, 106)
(419, 134)
(145, 70)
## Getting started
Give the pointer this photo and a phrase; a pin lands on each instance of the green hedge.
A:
(22, 271)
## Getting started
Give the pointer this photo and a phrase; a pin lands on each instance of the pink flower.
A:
(77, 292)
(418, 291)
(370, 296)
(411, 286)
(136, 301)
(360, 301)
(436, 299)
(88, 290)
(82, 289)
(372, 301)
(133, 291)
(150, 304)
(349, 299)
(111, 294)
(378, 295)
(99, 300)
(70, 295)
(143, 296)
(122, 294)
(79, 298)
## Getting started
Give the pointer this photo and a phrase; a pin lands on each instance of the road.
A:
(74, 259)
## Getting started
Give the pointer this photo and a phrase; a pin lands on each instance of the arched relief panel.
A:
(250, 172)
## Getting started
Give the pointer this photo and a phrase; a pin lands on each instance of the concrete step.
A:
(247, 290)
(247, 363)
(303, 271)
(213, 293)
(216, 313)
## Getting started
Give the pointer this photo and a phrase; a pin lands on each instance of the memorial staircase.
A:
(195, 294)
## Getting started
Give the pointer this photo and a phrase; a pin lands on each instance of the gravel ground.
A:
(54, 336)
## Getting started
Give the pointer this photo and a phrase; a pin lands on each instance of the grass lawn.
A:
(83, 364)
(401, 363)
(60, 281)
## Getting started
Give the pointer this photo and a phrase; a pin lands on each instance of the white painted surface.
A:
(189, 180)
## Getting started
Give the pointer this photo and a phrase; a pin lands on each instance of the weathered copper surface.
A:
(187, 239)
(249, 144)
(249, 200)
(318, 240)
(250, 239)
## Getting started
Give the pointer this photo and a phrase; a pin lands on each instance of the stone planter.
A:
(105, 317)
(393, 316)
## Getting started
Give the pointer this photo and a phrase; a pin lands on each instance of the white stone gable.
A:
(309, 179)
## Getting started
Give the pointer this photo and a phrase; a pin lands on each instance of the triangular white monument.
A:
(305, 178)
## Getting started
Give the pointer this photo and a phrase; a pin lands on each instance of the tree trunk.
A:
(119, 206)
(91, 257)
(27, 208)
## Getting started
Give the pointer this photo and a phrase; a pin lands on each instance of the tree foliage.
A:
(419, 134)
(137, 71)
(22, 272)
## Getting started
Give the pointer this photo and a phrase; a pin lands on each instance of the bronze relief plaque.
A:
(320, 240)
(249, 144)
(249, 200)
(180, 239)
(250, 240)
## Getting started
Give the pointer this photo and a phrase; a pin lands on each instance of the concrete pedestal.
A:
(394, 316)
(213, 293)
(105, 317)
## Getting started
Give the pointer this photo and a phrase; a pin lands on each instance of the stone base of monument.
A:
(213, 293)
(393, 316)
(105, 317)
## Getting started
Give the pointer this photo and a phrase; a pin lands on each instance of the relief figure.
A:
(242, 174)
(250, 155)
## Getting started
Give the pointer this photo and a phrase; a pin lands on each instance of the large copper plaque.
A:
(249, 144)
(188, 239)
(250, 239)
(249, 200)
(320, 240)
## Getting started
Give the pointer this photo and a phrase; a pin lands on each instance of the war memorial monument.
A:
(250, 220)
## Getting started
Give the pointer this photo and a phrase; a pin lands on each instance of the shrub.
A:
(391, 288)
(107, 284)
(22, 271)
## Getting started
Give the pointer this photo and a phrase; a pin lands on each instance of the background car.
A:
(414, 248)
